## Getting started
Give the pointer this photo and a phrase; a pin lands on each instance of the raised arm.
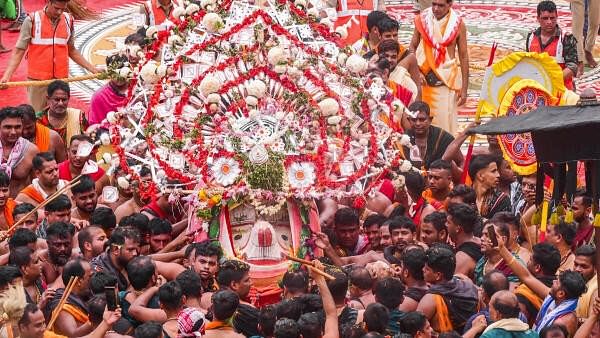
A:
(524, 275)
(141, 312)
(331, 319)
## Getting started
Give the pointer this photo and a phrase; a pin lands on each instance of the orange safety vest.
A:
(354, 13)
(555, 49)
(156, 14)
(48, 54)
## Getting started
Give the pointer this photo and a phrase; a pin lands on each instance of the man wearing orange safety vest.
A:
(352, 14)
(48, 38)
(549, 38)
(158, 11)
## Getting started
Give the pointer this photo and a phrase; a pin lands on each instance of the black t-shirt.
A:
(472, 249)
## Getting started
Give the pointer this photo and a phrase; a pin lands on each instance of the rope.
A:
(41, 83)
(476, 66)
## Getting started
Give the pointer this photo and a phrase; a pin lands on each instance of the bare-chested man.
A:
(17, 152)
(46, 182)
(85, 199)
(136, 202)
(43, 137)
(60, 245)
(7, 205)
(440, 36)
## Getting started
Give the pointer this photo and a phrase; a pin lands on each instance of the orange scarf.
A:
(8, 211)
(442, 315)
(533, 298)
(33, 193)
(42, 137)
(217, 325)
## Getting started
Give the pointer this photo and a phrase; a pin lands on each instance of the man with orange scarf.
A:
(7, 204)
(440, 34)
(404, 79)
(46, 139)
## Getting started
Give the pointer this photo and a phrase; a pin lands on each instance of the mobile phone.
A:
(492, 235)
(112, 302)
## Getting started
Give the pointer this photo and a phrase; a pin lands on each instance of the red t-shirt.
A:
(65, 174)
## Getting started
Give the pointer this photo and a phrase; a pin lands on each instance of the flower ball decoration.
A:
(251, 108)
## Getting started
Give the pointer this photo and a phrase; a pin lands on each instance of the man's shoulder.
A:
(497, 332)
(98, 263)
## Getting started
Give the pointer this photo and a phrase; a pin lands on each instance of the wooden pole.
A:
(47, 82)
(469, 154)
(310, 264)
(68, 289)
(50, 198)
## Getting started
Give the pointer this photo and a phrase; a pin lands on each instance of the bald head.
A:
(504, 304)
(493, 282)
(361, 278)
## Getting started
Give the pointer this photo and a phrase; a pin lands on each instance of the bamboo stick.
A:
(47, 82)
(311, 265)
(68, 289)
(50, 198)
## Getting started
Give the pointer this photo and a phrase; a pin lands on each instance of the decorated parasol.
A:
(518, 84)
(258, 112)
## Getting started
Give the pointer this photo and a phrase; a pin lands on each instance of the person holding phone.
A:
(491, 259)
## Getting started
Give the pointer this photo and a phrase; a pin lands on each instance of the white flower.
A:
(258, 154)
(405, 140)
(256, 88)
(210, 84)
(363, 141)
(301, 175)
(356, 64)
(225, 170)
(329, 107)
(178, 12)
(406, 166)
(334, 120)
(111, 117)
(151, 31)
(342, 31)
(251, 100)
(279, 115)
(276, 55)
(123, 183)
(205, 3)
(191, 9)
(341, 59)
(124, 72)
(212, 22)
(213, 98)
(278, 146)
(105, 139)
(149, 72)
